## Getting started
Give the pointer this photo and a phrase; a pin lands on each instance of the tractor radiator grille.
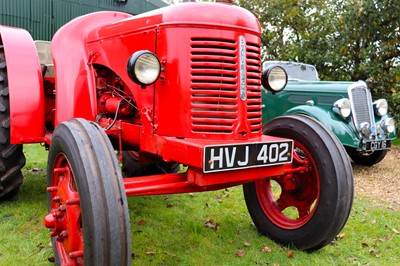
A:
(361, 102)
(215, 82)
(253, 63)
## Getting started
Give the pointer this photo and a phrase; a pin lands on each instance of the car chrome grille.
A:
(214, 85)
(361, 105)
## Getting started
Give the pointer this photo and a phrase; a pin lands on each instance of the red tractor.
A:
(146, 94)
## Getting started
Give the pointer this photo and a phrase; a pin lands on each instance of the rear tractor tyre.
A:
(308, 206)
(12, 158)
(88, 209)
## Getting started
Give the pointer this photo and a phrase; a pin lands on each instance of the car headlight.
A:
(342, 107)
(274, 78)
(388, 125)
(381, 107)
(143, 67)
(365, 128)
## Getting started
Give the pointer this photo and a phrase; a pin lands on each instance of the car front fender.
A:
(342, 128)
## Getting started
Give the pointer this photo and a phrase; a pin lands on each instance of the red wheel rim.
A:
(299, 191)
(65, 218)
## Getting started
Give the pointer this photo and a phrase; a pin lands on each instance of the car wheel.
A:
(367, 158)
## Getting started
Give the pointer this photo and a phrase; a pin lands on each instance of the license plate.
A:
(373, 145)
(240, 156)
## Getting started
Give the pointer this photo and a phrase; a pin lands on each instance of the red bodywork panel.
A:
(25, 86)
(75, 85)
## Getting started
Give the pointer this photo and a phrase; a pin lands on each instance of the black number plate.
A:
(373, 145)
(240, 156)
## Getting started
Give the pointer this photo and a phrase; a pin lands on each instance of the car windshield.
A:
(296, 71)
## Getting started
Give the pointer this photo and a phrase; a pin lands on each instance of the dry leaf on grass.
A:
(141, 222)
(247, 244)
(266, 249)
(290, 254)
(239, 253)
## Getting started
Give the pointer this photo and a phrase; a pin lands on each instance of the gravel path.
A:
(381, 182)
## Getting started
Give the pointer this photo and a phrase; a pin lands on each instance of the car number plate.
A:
(240, 156)
(373, 145)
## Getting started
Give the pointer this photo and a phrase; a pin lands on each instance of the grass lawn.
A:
(212, 228)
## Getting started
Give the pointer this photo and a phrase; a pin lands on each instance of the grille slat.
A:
(253, 63)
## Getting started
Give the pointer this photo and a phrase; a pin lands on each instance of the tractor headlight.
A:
(274, 78)
(388, 125)
(143, 67)
(342, 107)
(381, 107)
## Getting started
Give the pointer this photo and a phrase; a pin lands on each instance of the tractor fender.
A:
(75, 77)
(25, 86)
(340, 127)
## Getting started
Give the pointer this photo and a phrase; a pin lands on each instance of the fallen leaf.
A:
(150, 252)
(141, 222)
(51, 259)
(342, 235)
(378, 255)
(396, 231)
(266, 249)
(216, 227)
(364, 244)
(290, 254)
(247, 244)
(239, 253)
(373, 222)
(170, 206)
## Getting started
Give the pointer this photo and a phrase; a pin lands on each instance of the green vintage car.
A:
(362, 125)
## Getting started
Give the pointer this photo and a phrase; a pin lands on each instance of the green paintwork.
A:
(293, 100)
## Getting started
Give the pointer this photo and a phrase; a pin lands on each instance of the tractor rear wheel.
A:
(88, 209)
(12, 158)
(309, 205)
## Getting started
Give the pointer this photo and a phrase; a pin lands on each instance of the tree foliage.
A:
(345, 39)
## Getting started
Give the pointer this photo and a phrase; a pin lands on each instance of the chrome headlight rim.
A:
(274, 78)
(381, 107)
(143, 67)
(389, 125)
(342, 107)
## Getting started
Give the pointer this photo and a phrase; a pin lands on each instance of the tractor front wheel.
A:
(88, 209)
(308, 205)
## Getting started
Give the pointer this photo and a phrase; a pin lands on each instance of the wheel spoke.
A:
(65, 216)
